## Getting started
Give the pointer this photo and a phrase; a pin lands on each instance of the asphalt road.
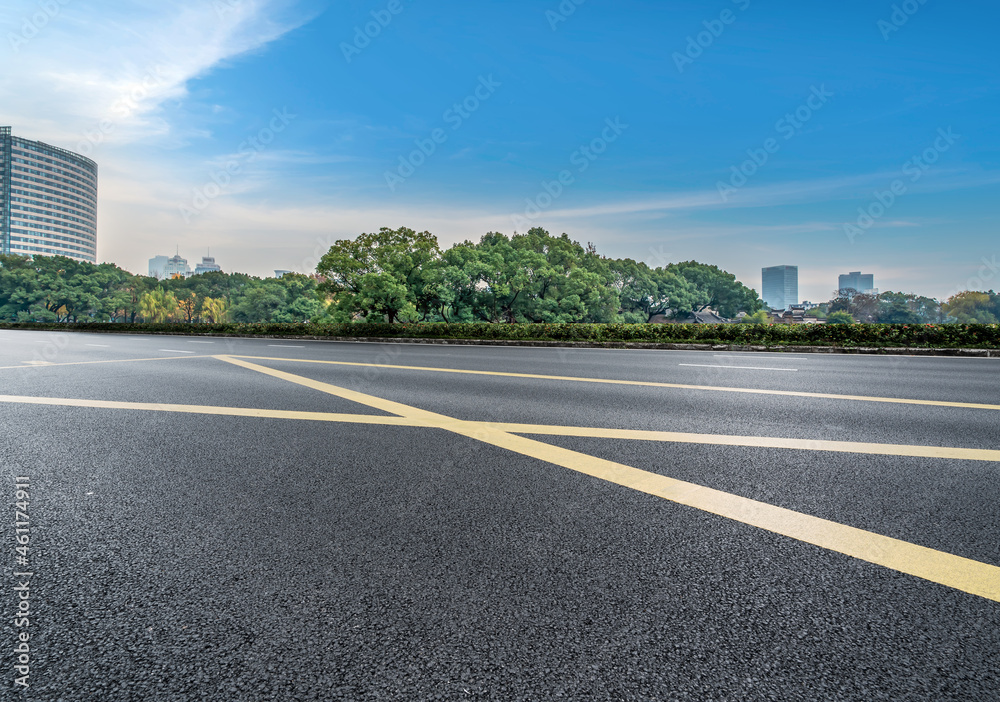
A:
(381, 531)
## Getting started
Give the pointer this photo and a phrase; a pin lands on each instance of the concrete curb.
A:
(843, 350)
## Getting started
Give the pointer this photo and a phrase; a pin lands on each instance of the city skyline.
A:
(675, 149)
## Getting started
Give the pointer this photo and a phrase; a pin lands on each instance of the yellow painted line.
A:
(965, 454)
(437, 421)
(953, 571)
(219, 411)
(46, 364)
(644, 383)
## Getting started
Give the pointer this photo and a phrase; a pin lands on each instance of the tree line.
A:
(60, 289)
(400, 275)
(969, 307)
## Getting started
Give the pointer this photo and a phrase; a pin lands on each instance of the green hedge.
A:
(871, 335)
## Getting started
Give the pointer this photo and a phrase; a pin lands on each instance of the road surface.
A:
(234, 519)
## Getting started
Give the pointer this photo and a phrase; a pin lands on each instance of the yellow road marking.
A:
(642, 383)
(219, 411)
(965, 454)
(46, 364)
(963, 574)
(947, 452)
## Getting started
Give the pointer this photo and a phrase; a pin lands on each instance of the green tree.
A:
(840, 317)
(972, 307)
(158, 306)
(758, 317)
(380, 275)
(726, 295)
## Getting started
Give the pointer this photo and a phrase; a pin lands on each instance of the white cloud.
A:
(105, 71)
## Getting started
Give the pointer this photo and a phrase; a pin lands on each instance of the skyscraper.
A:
(48, 200)
(780, 286)
(857, 282)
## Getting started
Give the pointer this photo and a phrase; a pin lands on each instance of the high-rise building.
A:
(48, 200)
(176, 266)
(858, 282)
(780, 286)
(157, 265)
(207, 265)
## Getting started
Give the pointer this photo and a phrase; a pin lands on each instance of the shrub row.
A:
(848, 335)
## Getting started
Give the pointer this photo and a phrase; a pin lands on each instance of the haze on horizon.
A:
(615, 122)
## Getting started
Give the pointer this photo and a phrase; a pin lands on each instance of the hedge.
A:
(846, 335)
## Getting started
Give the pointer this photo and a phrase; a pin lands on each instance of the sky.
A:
(837, 137)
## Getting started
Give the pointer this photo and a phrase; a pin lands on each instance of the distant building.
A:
(176, 266)
(207, 265)
(780, 286)
(858, 282)
(280, 273)
(48, 200)
(157, 264)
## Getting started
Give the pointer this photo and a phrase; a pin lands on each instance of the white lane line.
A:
(281, 346)
(699, 365)
(201, 342)
(764, 358)
(99, 346)
(175, 351)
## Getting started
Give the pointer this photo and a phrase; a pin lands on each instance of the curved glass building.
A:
(48, 200)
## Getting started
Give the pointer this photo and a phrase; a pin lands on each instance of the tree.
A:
(900, 308)
(186, 305)
(758, 317)
(158, 305)
(215, 311)
(840, 317)
(726, 295)
(260, 302)
(972, 307)
(379, 274)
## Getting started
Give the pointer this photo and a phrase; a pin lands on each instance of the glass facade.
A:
(48, 200)
(780, 286)
(857, 281)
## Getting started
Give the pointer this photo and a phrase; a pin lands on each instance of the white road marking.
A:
(764, 358)
(99, 346)
(280, 346)
(175, 351)
(700, 365)
(201, 342)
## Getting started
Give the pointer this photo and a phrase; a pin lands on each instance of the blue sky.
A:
(461, 118)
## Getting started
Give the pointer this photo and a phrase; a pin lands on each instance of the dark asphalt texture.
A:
(226, 558)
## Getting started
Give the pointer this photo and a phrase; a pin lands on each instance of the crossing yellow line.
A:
(642, 383)
(439, 421)
(953, 571)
